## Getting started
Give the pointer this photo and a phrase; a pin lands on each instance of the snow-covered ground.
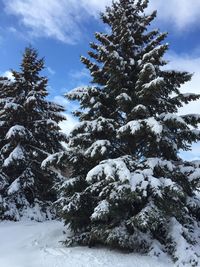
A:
(32, 244)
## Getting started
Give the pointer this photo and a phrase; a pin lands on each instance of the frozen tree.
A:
(29, 133)
(129, 188)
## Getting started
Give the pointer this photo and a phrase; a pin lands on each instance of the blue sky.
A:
(62, 29)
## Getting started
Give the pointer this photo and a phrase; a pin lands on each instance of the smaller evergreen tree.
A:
(29, 133)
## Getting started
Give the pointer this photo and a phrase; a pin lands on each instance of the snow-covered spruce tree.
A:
(90, 142)
(29, 132)
(142, 196)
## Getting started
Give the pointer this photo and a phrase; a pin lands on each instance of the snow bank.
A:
(32, 244)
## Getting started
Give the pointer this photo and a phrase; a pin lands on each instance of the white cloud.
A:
(49, 18)
(59, 19)
(12, 29)
(79, 78)
(79, 74)
(61, 101)
(8, 74)
(70, 106)
(67, 125)
(180, 13)
(194, 154)
(190, 64)
(63, 19)
(93, 7)
(51, 71)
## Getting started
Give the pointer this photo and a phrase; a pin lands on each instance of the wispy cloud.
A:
(63, 19)
(70, 106)
(76, 78)
(19, 34)
(51, 71)
(61, 101)
(79, 74)
(58, 19)
(181, 14)
(12, 29)
(49, 18)
(79, 78)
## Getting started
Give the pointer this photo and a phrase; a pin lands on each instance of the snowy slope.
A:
(32, 244)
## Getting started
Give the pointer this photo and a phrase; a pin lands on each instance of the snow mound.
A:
(32, 244)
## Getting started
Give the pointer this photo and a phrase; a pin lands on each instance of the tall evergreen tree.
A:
(129, 188)
(29, 132)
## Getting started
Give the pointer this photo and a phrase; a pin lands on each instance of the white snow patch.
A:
(123, 96)
(99, 146)
(16, 155)
(154, 83)
(16, 130)
(111, 169)
(172, 117)
(32, 244)
(14, 187)
(154, 125)
(132, 62)
(134, 126)
(139, 107)
(101, 210)
(11, 105)
(78, 92)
